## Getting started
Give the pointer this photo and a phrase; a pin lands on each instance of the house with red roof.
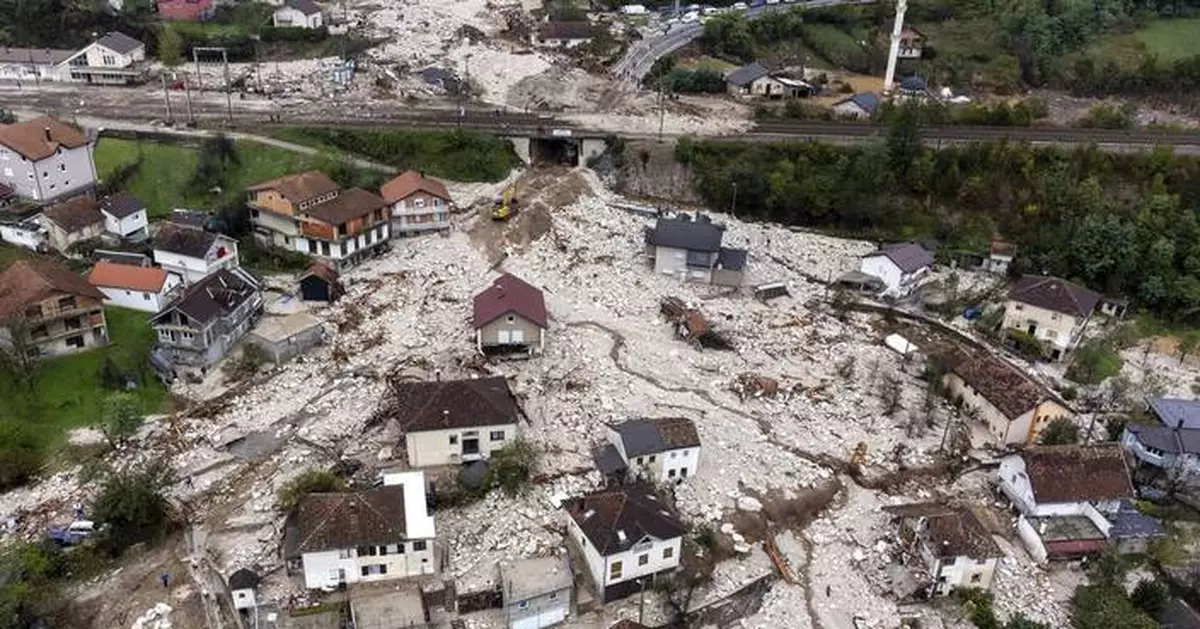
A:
(419, 204)
(510, 315)
(145, 288)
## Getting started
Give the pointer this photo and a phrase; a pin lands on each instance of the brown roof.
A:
(74, 215)
(509, 293)
(1002, 384)
(409, 182)
(658, 434)
(615, 520)
(323, 271)
(1077, 473)
(27, 282)
(301, 187)
(1001, 248)
(954, 531)
(350, 204)
(445, 404)
(38, 138)
(146, 279)
(1054, 294)
(374, 517)
(625, 623)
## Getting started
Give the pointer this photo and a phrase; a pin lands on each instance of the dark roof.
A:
(615, 520)
(1177, 614)
(608, 460)
(914, 84)
(74, 215)
(350, 204)
(121, 205)
(215, 296)
(189, 218)
(307, 7)
(867, 101)
(746, 74)
(1000, 383)
(1001, 248)
(509, 293)
(36, 56)
(652, 435)
(1175, 412)
(300, 187)
(39, 138)
(625, 623)
(1054, 294)
(1077, 473)
(374, 517)
(1167, 438)
(731, 259)
(565, 30)
(6, 192)
(953, 531)
(187, 241)
(119, 42)
(455, 404)
(682, 232)
(26, 282)
(442, 78)
(243, 580)
(1129, 522)
(908, 256)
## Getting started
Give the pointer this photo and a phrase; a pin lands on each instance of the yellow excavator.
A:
(506, 206)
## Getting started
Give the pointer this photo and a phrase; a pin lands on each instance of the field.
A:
(1171, 39)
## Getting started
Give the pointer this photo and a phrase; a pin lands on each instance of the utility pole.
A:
(167, 98)
(228, 87)
(894, 50)
(187, 97)
(642, 602)
(199, 77)
(733, 203)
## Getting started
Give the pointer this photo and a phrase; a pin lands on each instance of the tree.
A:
(308, 482)
(120, 418)
(1187, 344)
(131, 504)
(904, 139)
(20, 453)
(1150, 597)
(1105, 606)
(170, 46)
(511, 468)
(1060, 431)
(1094, 362)
(218, 156)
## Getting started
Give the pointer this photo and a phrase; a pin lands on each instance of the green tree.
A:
(511, 468)
(1150, 597)
(307, 482)
(170, 46)
(1187, 344)
(132, 505)
(20, 453)
(1060, 431)
(1104, 606)
(120, 418)
(904, 139)
(1094, 362)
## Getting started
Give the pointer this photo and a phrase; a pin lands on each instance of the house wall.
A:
(289, 17)
(65, 173)
(433, 447)
(420, 212)
(676, 465)
(125, 227)
(767, 86)
(550, 603)
(673, 262)
(558, 43)
(850, 109)
(206, 345)
(965, 572)
(591, 555)
(23, 237)
(898, 282)
(655, 562)
(101, 56)
(51, 330)
(1014, 483)
(1156, 458)
(271, 200)
(287, 349)
(341, 253)
(1031, 539)
(140, 300)
(61, 240)
(1060, 331)
(490, 334)
(321, 569)
(193, 270)
(243, 598)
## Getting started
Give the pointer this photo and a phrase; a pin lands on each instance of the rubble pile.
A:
(157, 617)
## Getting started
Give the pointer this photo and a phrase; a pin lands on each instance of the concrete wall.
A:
(322, 569)
(289, 17)
(49, 332)
(673, 262)
(140, 300)
(503, 331)
(1033, 541)
(66, 173)
(101, 56)
(655, 561)
(23, 237)
(522, 146)
(126, 227)
(434, 447)
(882, 267)
(965, 572)
(287, 349)
(418, 212)
(590, 148)
(595, 563)
(1058, 330)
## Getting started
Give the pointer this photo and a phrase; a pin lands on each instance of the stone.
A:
(749, 503)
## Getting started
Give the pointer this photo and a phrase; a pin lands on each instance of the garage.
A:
(541, 619)
(537, 592)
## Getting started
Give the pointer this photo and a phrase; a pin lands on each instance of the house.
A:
(455, 421)
(25, 231)
(33, 65)
(72, 222)
(298, 14)
(858, 106)
(283, 337)
(144, 288)
(741, 81)
(193, 254)
(1065, 496)
(655, 449)
(243, 588)
(901, 266)
(418, 203)
(946, 547)
(310, 214)
(45, 160)
(537, 591)
(626, 536)
(1014, 408)
(912, 43)
(1051, 310)
(49, 310)
(379, 534)
(1169, 448)
(114, 59)
(510, 315)
(321, 283)
(691, 250)
(1000, 257)
(186, 10)
(125, 217)
(196, 330)
(563, 34)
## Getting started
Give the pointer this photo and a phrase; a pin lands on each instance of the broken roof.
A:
(146, 279)
(121, 205)
(410, 182)
(217, 295)
(183, 240)
(350, 204)
(653, 435)
(1175, 412)
(681, 232)
(300, 187)
(1000, 383)
(909, 257)
(954, 531)
(565, 30)
(615, 520)
(26, 282)
(746, 74)
(509, 293)
(74, 215)
(1166, 438)
(119, 42)
(1077, 473)
(335, 521)
(38, 138)
(423, 406)
(322, 271)
(1055, 294)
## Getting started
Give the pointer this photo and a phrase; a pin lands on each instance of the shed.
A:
(283, 338)
(321, 283)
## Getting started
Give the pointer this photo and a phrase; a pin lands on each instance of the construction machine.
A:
(507, 205)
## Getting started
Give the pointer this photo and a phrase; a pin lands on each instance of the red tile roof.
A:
(38, 138)
(409, 182)
(27, 282)
(508, 293)
(1078, 473)
(147, 279)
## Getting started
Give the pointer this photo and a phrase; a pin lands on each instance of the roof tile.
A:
(410, 182)
(147, 279)
(423, 406)
(38, 138)
(1077, 473)
(509, 293)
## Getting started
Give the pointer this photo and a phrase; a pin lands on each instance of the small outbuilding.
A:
(284, 338)
(537, 591)
(321, 283)
(243, 587)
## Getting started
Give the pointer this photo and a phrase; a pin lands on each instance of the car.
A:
(773, 1)
(739, 6)
(691, 17)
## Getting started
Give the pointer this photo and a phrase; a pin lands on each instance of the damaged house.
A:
(198, 329)
(1168, 450)
(510, 315)
(49, 309)
(1014, 408)
(660, 450)
(900, 266)
(690, 249)
(945, 547)
(455, 421)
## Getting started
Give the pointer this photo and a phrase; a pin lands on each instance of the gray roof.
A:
(529, 578)
(243, 580)
(1055, 294)
(651, 436)
(1129, 522)
(908, 256)
(608, 461)
(119, 42)
(1176, 412)
(217, 295)
(867, 101)
(914, 84)
(307, 7)
(121, 205)
(682, 232)
(36, 56)
(747, 74)
(732, 259)
(1166, 438)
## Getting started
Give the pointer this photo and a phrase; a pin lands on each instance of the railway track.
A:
(1050, 135)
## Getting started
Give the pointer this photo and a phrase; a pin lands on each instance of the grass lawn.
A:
(66, 392)
(1171, 39)
(705, 62)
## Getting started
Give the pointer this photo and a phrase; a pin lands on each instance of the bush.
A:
(1093, 363)
(1059, 432)
(1150, 597)
(20, 454)
(1104, 116)
(1069, 393)
(292, 34)
(131, 504)
(308, 482)
(1026, 344)
(458, 155)
(511, 468)
(1105, 606)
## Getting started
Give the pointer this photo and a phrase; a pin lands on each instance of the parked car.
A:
(73, 534)
(740, 6)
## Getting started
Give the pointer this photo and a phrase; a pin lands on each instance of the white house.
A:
(28, 232)
(899, 265)
(45, 160)
(945, 547)
(563, 34)
(113, 59)
(663, 449)
(1000, 257)
(626, 536)
(124, 217)
(144, 288)
(537, 591)
(691, 250)
(1014, 408)
(455, 421)
(192, 253)
(34, 65)
(243, 589)
(298, 14)
(856, 107)
(1051, 310)
(379, 534)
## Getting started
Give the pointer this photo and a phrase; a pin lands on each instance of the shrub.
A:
(1060, 431)
(511, 468)
(1104, 116)
(1070, 393)
(458, 155)
(131, 504)
(20, 454)
(1026, 344)
(1094, 362)
(308, 482)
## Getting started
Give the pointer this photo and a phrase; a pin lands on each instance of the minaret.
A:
(894, 51)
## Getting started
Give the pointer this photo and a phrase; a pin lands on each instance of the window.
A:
(453, 440)
(553, 596)
(522, 604)
(366, 551)
(1018, 307)
(398, 550)
(673, 454)
(75, 341)
(510, 319)
(39, 332)
(683, 472)
(614, 570)
(383, 550)
(74, 323)
(418, 203)
(643, 560)
(164, 335)
(668, 552)
(66, 303)
(419, 546)
(652, 457)
(109, 60)
(437, 203)
(497, 435)
(638, 460)
(345, 553)
(670, 473)
(145, 296)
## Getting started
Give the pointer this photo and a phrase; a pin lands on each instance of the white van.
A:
(634, 9)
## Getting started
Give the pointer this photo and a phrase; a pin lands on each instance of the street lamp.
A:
(733, 203)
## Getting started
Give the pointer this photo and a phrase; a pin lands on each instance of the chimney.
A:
(46, 130)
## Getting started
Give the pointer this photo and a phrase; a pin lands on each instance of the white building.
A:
(455, 421)
(1051, 310)
(563, 34)
(379, 534)
(144, 288)
(34, 65)
(114, 59)
(626, 536)
(243, 589)
(298, 14)
(900, 266)
(193, 253)
(1014, 408)
(124, 217)
(28, 232)
(945, 547)
(45, 160)
(656, 449)
(537, 591)
(691, 251)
